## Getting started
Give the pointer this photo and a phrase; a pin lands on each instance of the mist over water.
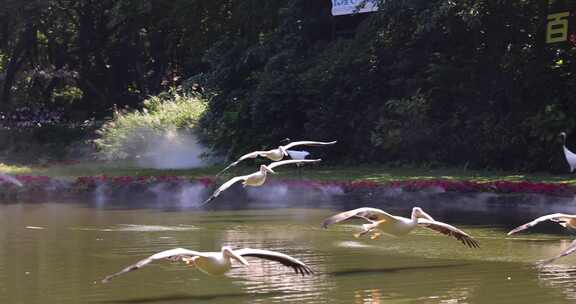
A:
(100, 196)
(278, 195)
(191, 195)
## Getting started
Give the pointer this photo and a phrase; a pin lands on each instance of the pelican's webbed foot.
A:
(188, 261)
(375, 235)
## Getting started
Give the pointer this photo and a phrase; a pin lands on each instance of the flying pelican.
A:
(257, 178)
(216, 263)
(565, 220)
(276, 154)
(383, 222)
(570, 156)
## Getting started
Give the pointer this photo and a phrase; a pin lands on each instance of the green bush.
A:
(128, 133)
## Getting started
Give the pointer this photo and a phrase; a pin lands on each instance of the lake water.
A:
(59, 252)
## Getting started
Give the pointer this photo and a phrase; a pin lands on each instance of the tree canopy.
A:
(424, 81)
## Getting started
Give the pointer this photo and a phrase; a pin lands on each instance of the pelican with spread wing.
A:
(216, 263)
(565, 220)
(276, 154)
(257, 178)
(383, 222)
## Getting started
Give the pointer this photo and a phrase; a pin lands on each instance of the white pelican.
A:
(276, 154)
(216, 263)
(257, 178)
(566, 220)
(570, 156)
(382, 222)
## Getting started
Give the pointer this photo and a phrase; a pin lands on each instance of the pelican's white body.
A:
(570, 158)
(215, 264)
(569, 155)
(274, 154)
(402, 226)
(257, 178)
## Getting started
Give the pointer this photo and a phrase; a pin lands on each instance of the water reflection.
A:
(138, 228)
(266, 277)
(79, 246)
(368, 296)
(559, 276)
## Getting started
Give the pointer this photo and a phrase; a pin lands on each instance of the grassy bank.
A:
(374, 173)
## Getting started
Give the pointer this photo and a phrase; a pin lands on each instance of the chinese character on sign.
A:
(557, 27)
(561, 22)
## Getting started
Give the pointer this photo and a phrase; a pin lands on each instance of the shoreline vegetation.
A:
(84, 178)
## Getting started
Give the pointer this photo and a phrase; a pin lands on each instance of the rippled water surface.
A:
(58, 253)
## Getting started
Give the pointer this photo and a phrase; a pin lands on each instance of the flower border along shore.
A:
(87, 184)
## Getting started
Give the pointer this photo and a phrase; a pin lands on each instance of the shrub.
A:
(128, 134)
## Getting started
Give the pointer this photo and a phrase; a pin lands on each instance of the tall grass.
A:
(129, 134)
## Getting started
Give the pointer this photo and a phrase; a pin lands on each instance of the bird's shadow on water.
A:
(361, 271)
(186, 298)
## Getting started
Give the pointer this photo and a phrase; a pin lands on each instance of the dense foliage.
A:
(469, 83)
(466, 83)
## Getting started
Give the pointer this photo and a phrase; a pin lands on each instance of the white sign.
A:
(347, 7)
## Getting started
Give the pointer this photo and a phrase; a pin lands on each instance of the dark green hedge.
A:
(465, 83)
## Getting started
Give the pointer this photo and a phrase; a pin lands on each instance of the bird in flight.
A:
(276, 154)
(257, 178)
(565, 220)
(216, 263)
(380, 222)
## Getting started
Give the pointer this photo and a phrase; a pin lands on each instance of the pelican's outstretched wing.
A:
(223, 187)
(291, 161)
(307, 143)
(570, 249)
(449, 231)
(367, 213)
(243, 157)
(286, 260)
(557, 217)
(167, 254)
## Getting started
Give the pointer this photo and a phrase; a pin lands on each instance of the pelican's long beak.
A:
(239, 258)
(270, 170)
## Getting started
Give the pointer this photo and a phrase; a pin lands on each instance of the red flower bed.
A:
(448, 186)
(34, 184)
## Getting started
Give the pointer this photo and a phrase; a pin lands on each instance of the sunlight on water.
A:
(64, 261)
(141, 228)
